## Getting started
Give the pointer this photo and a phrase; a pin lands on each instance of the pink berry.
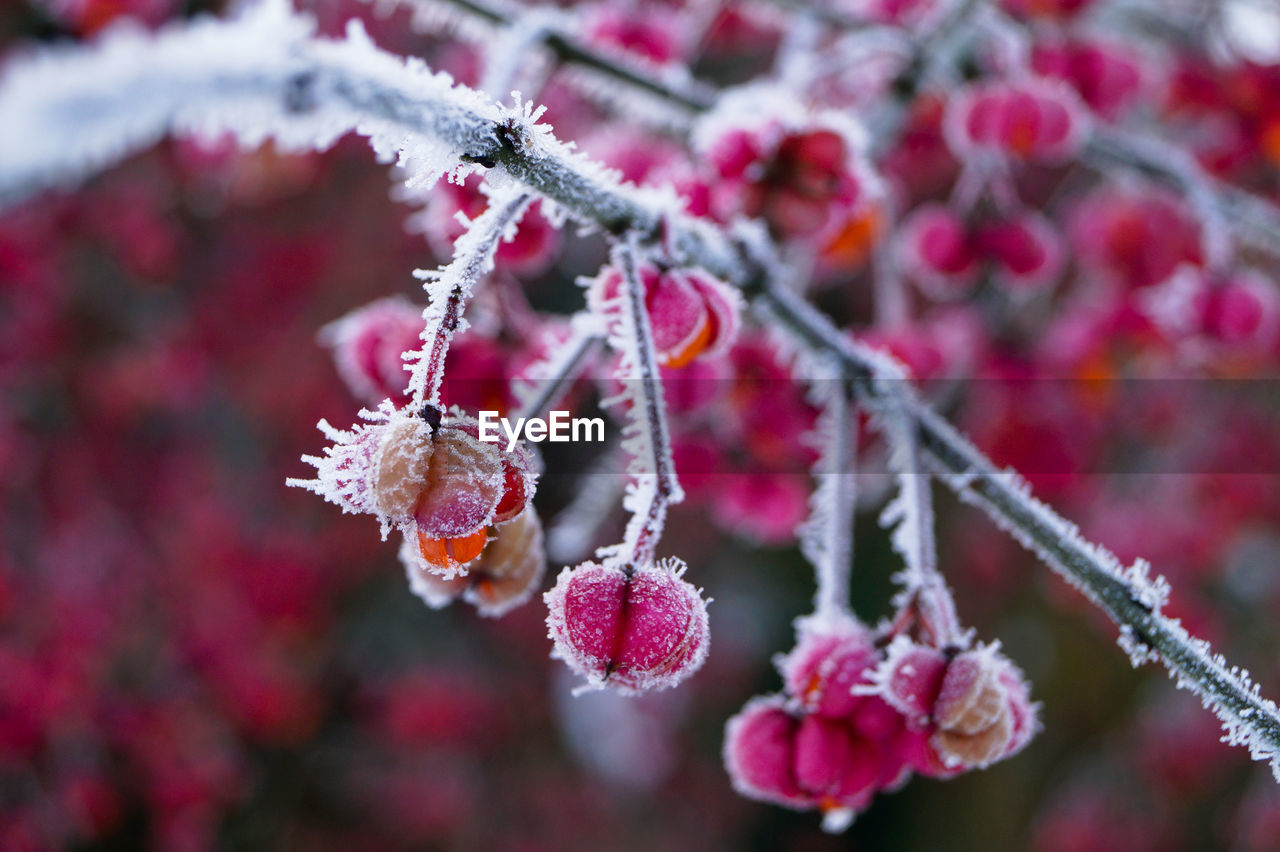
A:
(829, 660)
(1025, 250)
(1239, 311)
(629, 627)
(1032, 119)
(911, 678)
(834, 766)
(1107, 76)
(760, 752)
(368, 344)
(690, 312)
(646, 32)
(935, 249)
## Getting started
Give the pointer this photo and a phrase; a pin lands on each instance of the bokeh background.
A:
(194, 656)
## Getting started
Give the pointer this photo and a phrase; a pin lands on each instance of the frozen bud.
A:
(690, 312)
(829, 660)
(760, 752)
(1025, 250)
(978, 709)
(626, 626)
(368, 346)
(1035, 120)
(469, 484)
(441, 487)
(935, 249)
(910, 679)
(503, 577)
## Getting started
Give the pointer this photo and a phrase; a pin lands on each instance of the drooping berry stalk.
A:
(449, 287)
(646, 432)
(546, 380)
(683, 93)
(910, 515)
(827, 536)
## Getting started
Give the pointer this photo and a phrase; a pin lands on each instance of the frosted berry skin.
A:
(1024, 251)
(1031, 120)
(504, 576)
(825, 666)
(1224, 316)
(803, 173)
(691, 313)
(631, 628)
(367, 346)
(759, 752)
(440, 486)
(971, 707)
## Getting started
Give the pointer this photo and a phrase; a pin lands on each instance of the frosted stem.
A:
(646, 429)
(910, 515)
(827, 535)
(449, 287)
(545, 381)
(686, 94)
(1222, 211)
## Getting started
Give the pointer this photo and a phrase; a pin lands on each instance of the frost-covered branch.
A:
(684, 93)
(1129, 596)
(449, 288)
(69, 113)
(646, 435)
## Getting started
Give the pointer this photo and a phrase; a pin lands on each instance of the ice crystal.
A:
(450, 287)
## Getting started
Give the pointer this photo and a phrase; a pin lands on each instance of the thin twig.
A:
(647, 427)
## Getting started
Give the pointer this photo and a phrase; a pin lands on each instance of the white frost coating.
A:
(826, 536)
(645, 434)
(346, 473)
(450, 287)
(595, 628)
(263, 75)
(1248, 719)
(511, 48)
(909, 516)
